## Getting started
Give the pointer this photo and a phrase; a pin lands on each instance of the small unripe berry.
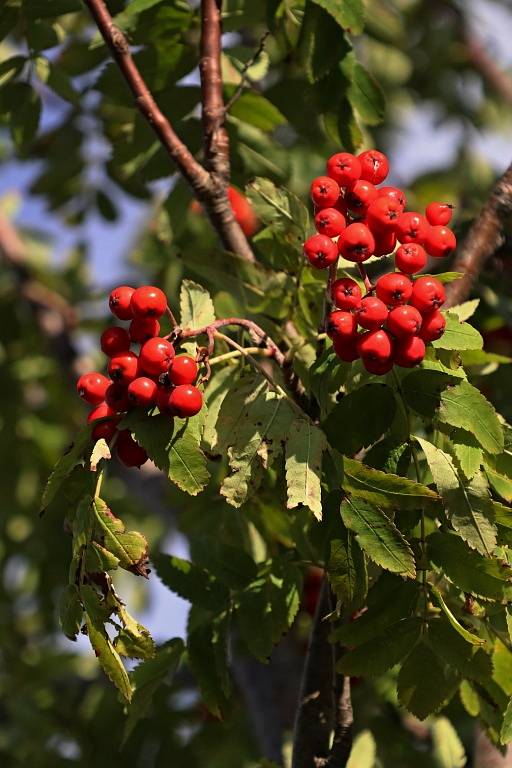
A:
(185, 401)
(183, 370)
(114, 340)
(410, 258)
(440, 241)
(411, 227)
(129, 451)
(374, 166)
(148, 301)
(105, 430)
(359, 196)
(344, 168)
(116, 397)
(433, 326)
(372, 313)
(345, 349)
(142, 391)
(92, 386)
(393, 193)
(428, 294)
(346, 293)
(385, 242)
(394, 289)
(404, 321)
(356, 243)
(329, 222)
(409, 351)
(439, 213)
(383, 214)
(101, 411)
(324, 192)
(377, 367)
(320, 251)
(156, 355)
(143, 328)
(120, 302)
(124, 367)
(375, 345)
(341, 324)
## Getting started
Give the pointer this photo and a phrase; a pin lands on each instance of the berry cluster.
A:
(357, 219)
(156, 376)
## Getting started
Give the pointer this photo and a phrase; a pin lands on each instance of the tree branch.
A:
(483, 239)
(215, 136)
(500, 81)
(342, 742)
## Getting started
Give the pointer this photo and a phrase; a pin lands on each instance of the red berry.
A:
(156, 355)
(129, 451)
(440, 241)
(92, 386)
(124, 367)
(142, 391)
(346, 349)
(374, 166)
(372, 313)
(114, 340)
(346, 293)
(320, 251)
(119, 302)
(439, 213)
(344, 168)
(356, 242)
(377, 367)
(433, 326)
(393, 193)
(341, 324)
(359, 196)
(411, 227)
(185, 400)
(427, 294)
(243, 212)
(183, 370)
(105, 430)
(143, 328)
(375, 345)
(385, 242)
(162, 399)
(409, 351)
(148, 301)
(383, 213)
(394, 288)
(330, 222)
(410, 258)
(116, 397)
(100, 412)
(324, 192)
(404, 321)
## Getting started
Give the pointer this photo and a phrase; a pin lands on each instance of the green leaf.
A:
(468, 636)
(304, 448)
(468, 660)
(218, 387)
(500, 484)
(424, 685)
(133, 640)
(377, 535)
(366, 96)
(506, 728)
(448, 750)
(346, 568)
(321, 45)
(207, 657)
(130, 547)
(377, 402)
(465, 310)
(277, 207)
(465, 406)
(196, 306)
(447, 277)
(458, 336)
(468, 507)
(98, 559)
(65, 465)
(467, 452)
(25, 115)
(327, 375)
(364, 751)
(349, 14)
(191, 582)
(381, 653)
(384, 489)
(45, 9)
(422, 390)
(71, 611)
(253, 108)
(479, 358)
(10, 68)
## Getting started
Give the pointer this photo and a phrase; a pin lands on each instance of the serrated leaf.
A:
(468, 507)
(196, 305)
(320, 44)
(364, 751)
(422, 390)
(207, 657)
(304, 448)
(134, 640)
(349, 14)
(366, 96)
(191, 582)
(377, 535)
(447, 277)
(327, 375)
(346, 569)
(506, 728)
(70, 611)
(500, 484)
(378, 404)
(277, 207)
(465, 310)
(99, 452)
(384, 489)
(215, 392)
(468, 660)
(424, 685)
(65, 466)
(448, 750)
(381, 653)
(98, 559)
(458, 336)
(256, 110)
(130, 547)
(465, 406)
(468, 636)
(467, 452)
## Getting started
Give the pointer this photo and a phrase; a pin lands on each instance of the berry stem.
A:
(367, 282)
(235, 353)
(249, 325)
(171, 317)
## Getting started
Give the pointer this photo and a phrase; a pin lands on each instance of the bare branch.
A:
(243, 74)
(496, 77)
(342, 742)
(215, 136)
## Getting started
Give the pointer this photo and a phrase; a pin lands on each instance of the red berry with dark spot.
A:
(346, 293)
(324, 192)
(359, 196)
(374, 166)
(344, 168)
(330, 222)
(372, 313)
(142, 391)
(376, 367)
(409, 351)
(129, 451)
(114, 340)
(383, 214)
(375, 345)
(156, 356)
(410, 258)
(341, 324)
(143, 328)
(119, 302)
(440, 241)
(404, 321)
(439, 213)
(346, 349)
(124, 367)
(433, 326)
(148, 301)
(100, 412)
(116, 397)
(394, 288)
(356, 243)
(105, 430)
(92, 386)
(183, 370)
(411, 227)
(428, 294)
(393, 193)
(385, 243)
(320, 251)
(185, 401)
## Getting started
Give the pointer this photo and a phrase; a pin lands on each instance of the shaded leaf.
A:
(70, 611)
(191, 582)
(349, 14)
(383, 652)
(384, 489)
(130, 547)
(468, 636)
(347, 431)
(346, 568)
(424, 685)
(304, 448)
(465, 406)
(65, 465)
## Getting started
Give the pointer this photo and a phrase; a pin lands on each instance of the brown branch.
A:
(483, 239)
(500, 81)
(243, 74)
(342, 742)
(215, 136)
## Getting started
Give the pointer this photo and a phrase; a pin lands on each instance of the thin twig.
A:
(342, 741)
(243, 74)
(235, 354)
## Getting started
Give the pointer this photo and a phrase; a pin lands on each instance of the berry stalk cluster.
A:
(156, 376)
(357, 219)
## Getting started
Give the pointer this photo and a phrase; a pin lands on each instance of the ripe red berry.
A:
(148, 301)
(124, 367)
(162, 399)
(411, 227)
(100, 412)
(320, 251)
(344, 168)
(185, 400)
(393, 193)
(375, 345)
(410, 258)
(427, 294)
(345, 349)
(92, 386)
(377, 367)
(346, 293)
(385, 242)
(383, 214)
(439, 213)
(142, 391)
(374, 166)
(156, 355)
(114, 340)
(440, 241)
(341, 324)
(105, 430)
(409, 351)
(129, 451)
(143, 328)
(324, 192)
(372, 313)
(330, 222)
(404, 321)
(394, 288)
(356, 242)
(183, 370)
(116, 397)
(359, 196)
(243, 212)
(119, 302)
(433, 326)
